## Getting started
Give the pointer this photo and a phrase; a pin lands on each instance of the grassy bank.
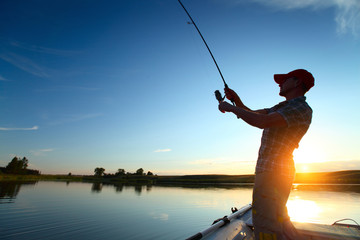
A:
(341, 177)
(12, 177)
(205, 179)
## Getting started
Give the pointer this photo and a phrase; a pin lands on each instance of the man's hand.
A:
(231, 95)
(226, 107)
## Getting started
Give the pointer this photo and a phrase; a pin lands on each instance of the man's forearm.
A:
(260, 118)
(253, 118)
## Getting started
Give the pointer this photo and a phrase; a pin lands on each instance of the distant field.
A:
(341, 177)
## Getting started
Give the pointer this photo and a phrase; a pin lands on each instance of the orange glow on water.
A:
(301, 210)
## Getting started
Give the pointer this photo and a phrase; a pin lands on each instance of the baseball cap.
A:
(305, 76)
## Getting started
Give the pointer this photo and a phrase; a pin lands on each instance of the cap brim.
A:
(280, 78)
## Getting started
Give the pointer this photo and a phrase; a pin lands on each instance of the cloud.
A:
(347, 12)
(25, 64)
(19, 129)
(348, 17)
(41, 152)
(204, 162)
(163, 150)
(40, 49)
(3, 79)
(67, 88)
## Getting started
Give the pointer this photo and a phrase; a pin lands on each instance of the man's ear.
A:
(301, 83)
(298, 82)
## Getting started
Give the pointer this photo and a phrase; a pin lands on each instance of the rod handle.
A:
(219, 97)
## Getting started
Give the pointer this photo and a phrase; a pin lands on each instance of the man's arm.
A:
(258, 118)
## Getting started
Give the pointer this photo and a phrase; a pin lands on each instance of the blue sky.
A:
(129, 84)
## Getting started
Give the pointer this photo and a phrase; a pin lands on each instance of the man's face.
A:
(287, 86)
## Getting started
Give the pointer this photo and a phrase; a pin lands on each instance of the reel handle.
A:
(219, 97)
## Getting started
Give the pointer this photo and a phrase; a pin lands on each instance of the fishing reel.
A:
(218, 96)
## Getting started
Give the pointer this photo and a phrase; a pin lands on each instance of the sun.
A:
(304, 168)
(309, 154)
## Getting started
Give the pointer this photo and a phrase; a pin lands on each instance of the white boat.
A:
(238, 226)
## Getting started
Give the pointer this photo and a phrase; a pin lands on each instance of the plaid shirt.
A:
(278, 143)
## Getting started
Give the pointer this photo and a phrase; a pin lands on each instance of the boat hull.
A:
(241, 228)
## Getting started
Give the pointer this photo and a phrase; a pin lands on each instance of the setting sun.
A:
(310, 154)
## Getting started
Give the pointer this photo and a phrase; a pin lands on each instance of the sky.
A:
(129, 84)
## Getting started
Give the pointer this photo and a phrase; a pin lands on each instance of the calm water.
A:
(58, 210)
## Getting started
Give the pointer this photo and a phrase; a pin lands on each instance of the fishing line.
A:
(217, 92)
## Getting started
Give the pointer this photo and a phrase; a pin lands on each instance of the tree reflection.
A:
(119, 187)
(138, 189)
(96, 187)
(9, 191)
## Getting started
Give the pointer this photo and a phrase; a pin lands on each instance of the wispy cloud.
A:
(19, 129)
(12, 56)
(207, 162)
(25, 64)
(3, 79)
(347, 12)
(41, 49)
(348, 17)
(75, 118)
(163, 150)
(40, 152)
(67, 88)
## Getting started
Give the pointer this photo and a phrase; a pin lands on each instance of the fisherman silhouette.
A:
(284, 125)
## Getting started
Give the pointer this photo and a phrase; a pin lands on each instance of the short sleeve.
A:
(296, 114)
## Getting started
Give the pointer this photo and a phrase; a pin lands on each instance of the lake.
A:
(60, 210)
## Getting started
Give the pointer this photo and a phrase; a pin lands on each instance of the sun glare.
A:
(304, 168)
(310, 154)
(302, 210)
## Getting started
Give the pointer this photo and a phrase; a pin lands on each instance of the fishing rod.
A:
(217, 92)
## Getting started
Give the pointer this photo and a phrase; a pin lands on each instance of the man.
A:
(284, 125)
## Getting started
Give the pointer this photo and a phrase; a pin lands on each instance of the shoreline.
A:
(325, 178)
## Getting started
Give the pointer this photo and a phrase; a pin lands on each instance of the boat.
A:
(238, 226)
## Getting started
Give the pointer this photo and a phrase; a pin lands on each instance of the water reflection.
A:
(96, 187)
(9, 191)
(301, 210)
(58, 210)
(138, 188)
(317, 203)
(119, 188)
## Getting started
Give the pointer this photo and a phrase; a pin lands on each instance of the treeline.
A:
(100, 172)
(19, 166)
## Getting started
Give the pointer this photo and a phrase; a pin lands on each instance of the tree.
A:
(150, 173)
(120, 172)
(140, 171)
(99, 171)
(17, 165)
